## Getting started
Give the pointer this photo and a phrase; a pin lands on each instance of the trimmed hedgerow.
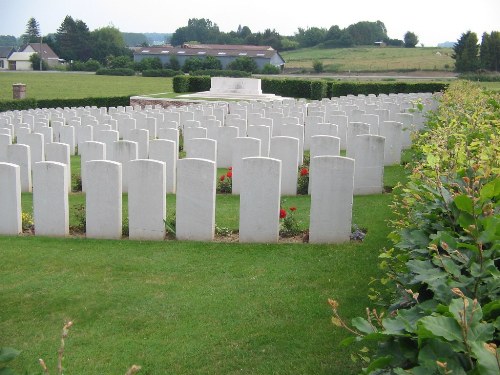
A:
(191, 83)
(12, 105)
(115, 72)
(160, 73)
(19, 105)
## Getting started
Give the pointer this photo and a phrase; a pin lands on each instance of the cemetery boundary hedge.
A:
(13, 105)
(115, 72)
(314, 89)
(221, 73)
(160, 73)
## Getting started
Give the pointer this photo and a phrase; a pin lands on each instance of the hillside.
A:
(361, 59)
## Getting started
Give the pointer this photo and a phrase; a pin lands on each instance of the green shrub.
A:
(115, 72)
(212, 63)
(180, 83)
(318, 66)
(295, 88)
(270, 69)
(225, 182)
(442, 273)
(91, 65)
(83, 102)
(191, 83)
(221, 73)
(160, 73)
(481, 77)
(191, 64)
(318, 90)
(244, 63)
(289, 225)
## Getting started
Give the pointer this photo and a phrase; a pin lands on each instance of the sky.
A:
(433, 21)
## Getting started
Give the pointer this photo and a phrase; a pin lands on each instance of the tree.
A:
(192, 64)
(410, 39)
(318, 66)
(35, 62)
(244, 63)
(466, 53)
(32, 33)
(72, 40)
(108, 41)
(201, 30)
(310, 37)
(366, 33)
(490, 51)
(212, 63)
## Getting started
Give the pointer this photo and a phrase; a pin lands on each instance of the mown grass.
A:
(190, 308)
(371, 59)
(74, 85)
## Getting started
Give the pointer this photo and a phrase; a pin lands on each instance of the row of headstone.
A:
(331, 199)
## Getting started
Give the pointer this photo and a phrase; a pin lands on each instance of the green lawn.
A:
(54, 85)
(371, 58)
(185, 307)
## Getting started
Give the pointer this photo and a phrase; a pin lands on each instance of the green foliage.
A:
(32, 33)
(191, 64)
(289, 225)
(115, 72)
(35, 62)
(90, 65)
(355, 88)
(7, 355)
(410, 39)
(173, 64)
(225, 182)
(73, 40)
(107, 41)
(466, 53)
(212, 63)
(270, 69)
(80, 215)
(442, 272)
(181, 83)
(115, 62)
(318, 89)
(161, 73)
(244, 63)
(191, 83)
(366, 33)
(149, 63)
(490, 51)
(27, 223)
(481, 77)
(221, 73)
(201, 30)
(303, 180)
(76, 182)
(17, 105)
(318, 66)
(310, 37)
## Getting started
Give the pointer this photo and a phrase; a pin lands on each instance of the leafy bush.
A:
(91, 65)
(289, 225)
(27, 223)
(270, 69)
(244, 63)
(12, 105)
(161, 73)
(442, 273)
(115, 72)
(212, 63)
(303, 180)
(481, 77)
(221, 73)
(191, 83)
(318, 66)
(180, 83)
(191, 64)
(17, 105)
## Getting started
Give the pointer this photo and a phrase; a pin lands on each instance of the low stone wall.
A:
(165, 103)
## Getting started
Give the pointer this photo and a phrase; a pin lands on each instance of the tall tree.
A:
(466, 53)
(108, 41)
(410, 39)
(367, 33)
(32, 33)
(72, 40)
(490, 51)
(201, 30)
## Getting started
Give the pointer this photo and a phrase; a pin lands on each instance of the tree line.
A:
(471, 56)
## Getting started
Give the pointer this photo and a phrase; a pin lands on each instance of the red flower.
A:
(293, 209)
(282, 213)
(222, 177)
(230, 169)
(304, 172)
(229, 174)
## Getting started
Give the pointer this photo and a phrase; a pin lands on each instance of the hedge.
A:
(314, 89)
(191, 83)
(221, 73)
(13, 105)
(160, 73)
(115, 72)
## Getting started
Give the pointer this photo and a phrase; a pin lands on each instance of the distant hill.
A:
(446, 44)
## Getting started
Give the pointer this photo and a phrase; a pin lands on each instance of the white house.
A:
(20, 61)
(43, 49)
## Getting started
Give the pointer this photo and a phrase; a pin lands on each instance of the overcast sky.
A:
(434, 21)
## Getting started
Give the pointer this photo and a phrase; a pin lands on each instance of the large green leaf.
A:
(379, 363)
(437, 350)
(8, 354)
(440, 326)
(362, 325)
(464, 203)
(486, 362)
(491, 189)
(473, 312)
(7, 371)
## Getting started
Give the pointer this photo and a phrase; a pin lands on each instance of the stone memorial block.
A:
(331, 199)
(67, 135)
(123, 152)
(341, 121)
(277, 123)
(407, 120)
(243, 147)
(10, 199)
(50, 199)
(88, 120)
(190, 133)
(59, 152)
(101, 127)
(36, 144)
(166, 151)
(104, 199)
(90, 151)
(28, 119)
(141, 136)
(391, 131)
(201, 148)
(286, 149)
(254, 118)
(147, 200)
(124, 126)
(108, 137)
(39, 125)
(354, 129)
(20, 155)
(168, 124)
(369, 171)
(260, 200)
(56, 127)
(195, 200)
(225, 137)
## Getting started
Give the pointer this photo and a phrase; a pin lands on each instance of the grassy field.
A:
(185, 307)
(53, 85)
(371, 59)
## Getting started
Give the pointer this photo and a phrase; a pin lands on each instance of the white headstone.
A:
(195, 201)
(123, 152)
(369, 172)
(59, 152)
(263, 133)
(104, 199)
(331, 199)
(353, 130)
(166, 151)
(36, 144)
(260, 200)
(20, 155)
(5, 140)
(243, 147)
(10, 199)
(146, 200)
(90, 151)
(392, 132)
(50, 199)
(67, 135)
(286, 149)
(225, 138)
(141, 136)
(201, 148)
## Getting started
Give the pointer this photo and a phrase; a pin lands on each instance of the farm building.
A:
(48, 55)
(5, 52)
(225, 53)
